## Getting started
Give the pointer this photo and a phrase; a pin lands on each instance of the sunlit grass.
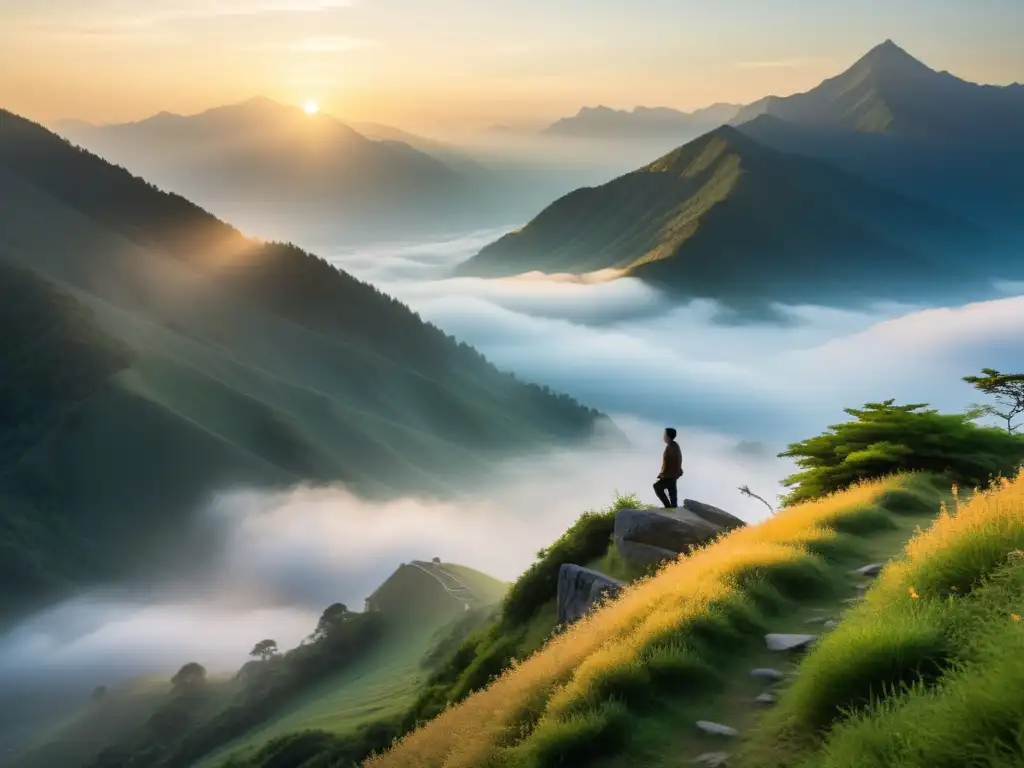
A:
(572, 690)
(928, 671)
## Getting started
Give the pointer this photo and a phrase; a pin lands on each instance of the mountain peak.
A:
(889, 57)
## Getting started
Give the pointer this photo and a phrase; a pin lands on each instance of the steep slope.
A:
(727, 218)
(277, 171)
(888, 91)
(894, 121)
(628, 683)
(641, 123)
(154, 355)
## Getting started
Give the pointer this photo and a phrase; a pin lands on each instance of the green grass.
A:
(927, 672)
(381, 686)
(642, 693)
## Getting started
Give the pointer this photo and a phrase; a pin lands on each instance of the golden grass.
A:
(562, 673)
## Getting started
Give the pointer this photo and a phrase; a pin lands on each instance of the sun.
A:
(311, 107)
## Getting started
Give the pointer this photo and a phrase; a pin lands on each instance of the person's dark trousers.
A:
(667, 492)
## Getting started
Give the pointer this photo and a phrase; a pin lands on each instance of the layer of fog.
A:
(617, 346)
(624, 348)
(286, 556)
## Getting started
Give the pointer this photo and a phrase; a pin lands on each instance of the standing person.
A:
(671, 471)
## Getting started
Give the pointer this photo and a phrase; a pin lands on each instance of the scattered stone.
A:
(831, 624)
(642, 555)
(579, 588)
(780, 642)
(766, 698)
(713, 515)
(817, 619)
(766, 673)
(713, 759)
(678, 532)
(868, 570)
(853, 600)
(862, 588)
(716, 728)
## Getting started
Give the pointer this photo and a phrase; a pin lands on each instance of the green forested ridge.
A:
(198, 358)
(725, 217)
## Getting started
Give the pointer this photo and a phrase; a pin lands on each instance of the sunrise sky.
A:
(444, 65)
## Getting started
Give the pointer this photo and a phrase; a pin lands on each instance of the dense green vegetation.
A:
(196, 719)
(153, 355)
(725, 217)
(884, 439)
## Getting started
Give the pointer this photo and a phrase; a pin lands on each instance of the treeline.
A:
(198, 716)
(279, 277)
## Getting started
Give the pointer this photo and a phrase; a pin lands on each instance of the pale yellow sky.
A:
(450, 64)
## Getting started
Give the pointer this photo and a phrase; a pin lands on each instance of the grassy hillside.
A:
(726, 217)
(355, 671)
(625, 685)
(158, 355)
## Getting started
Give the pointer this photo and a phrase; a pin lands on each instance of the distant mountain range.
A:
(642, 123)
(891, 119)
(908, 204)
(283, 174)
(153, 355)
(889, 92)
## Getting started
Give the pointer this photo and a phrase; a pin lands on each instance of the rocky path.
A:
(705, 727)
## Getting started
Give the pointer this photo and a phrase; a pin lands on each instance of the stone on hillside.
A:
(817, 619)
(766, 673)
(830, 624)
(765, 698)
(678, 531)
(642, 555)
(868, 570)
(713, 515)
(780, 642)
(579, 588)
(716, 728)
(712, 759)
(861, 587)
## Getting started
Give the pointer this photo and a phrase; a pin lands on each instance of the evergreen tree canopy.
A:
(884, 438)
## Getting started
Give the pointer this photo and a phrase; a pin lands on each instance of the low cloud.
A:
(623, 347)
(285, 556)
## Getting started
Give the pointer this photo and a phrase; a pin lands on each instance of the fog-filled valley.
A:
(284, 493)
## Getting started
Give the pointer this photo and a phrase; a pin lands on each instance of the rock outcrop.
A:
(579, 588)
(649, 536)
(641, 555)
(713, 515)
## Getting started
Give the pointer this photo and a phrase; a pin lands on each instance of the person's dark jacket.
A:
(672, 462)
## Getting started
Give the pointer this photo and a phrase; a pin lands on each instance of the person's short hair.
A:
(671, 433)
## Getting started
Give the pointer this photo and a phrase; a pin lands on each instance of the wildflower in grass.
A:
(1015, 616)
(1016, 553)
(913, 593)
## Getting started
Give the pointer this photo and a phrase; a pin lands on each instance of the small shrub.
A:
(885, 439)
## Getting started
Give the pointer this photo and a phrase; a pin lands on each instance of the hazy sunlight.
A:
(311, 107)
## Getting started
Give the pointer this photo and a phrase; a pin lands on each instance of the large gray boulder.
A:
(713, 515)
(579, 588)
(642, 555)
(676, 530)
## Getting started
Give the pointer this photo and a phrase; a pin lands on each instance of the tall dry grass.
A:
(574, 667)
